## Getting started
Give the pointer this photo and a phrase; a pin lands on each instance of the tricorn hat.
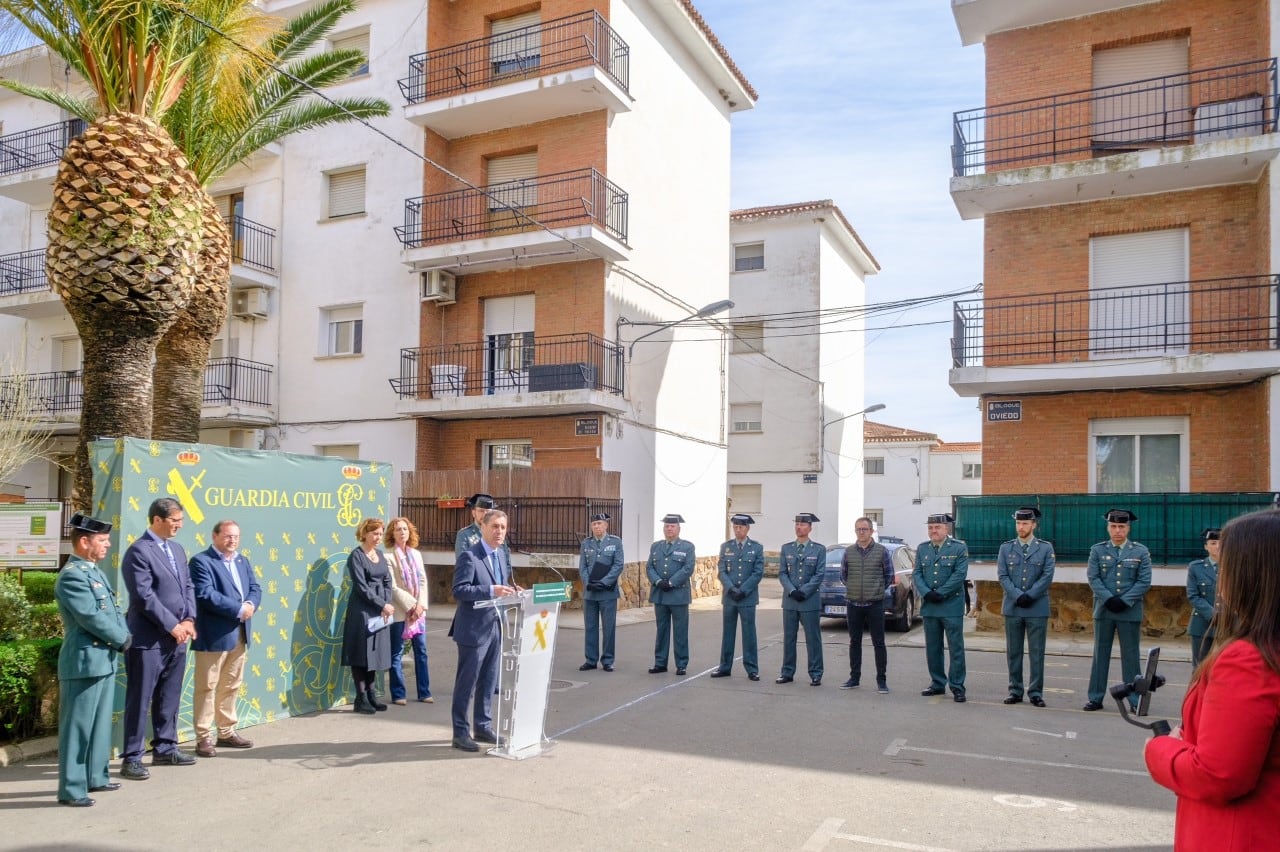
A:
(601, 516)
(88, 524)
(1120, 516)
(744, 520)
(1026, 513)
(941, 518)
(481, 501)
(672, 519)
(806, 518)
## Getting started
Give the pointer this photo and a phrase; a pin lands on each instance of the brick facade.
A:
(458, 444)
(453, 22)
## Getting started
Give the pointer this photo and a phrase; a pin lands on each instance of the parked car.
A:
(899, 599)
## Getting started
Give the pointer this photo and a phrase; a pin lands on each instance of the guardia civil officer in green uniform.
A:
(741, 569)
(94, 632)
(800, 569)
(469, 535)
(1025, 571)
(942, 565)
(600, 564)
(1119, 574)
(670, 569)
(1202, 591)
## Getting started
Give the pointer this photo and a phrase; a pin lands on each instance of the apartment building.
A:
(1125, 341)
(796, 372)
(909, 475)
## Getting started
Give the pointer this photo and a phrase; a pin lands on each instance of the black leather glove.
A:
(737, 594)
(934, 596)
(665, 585)
(1024, 600)
(1115, 604)
(595, 586)
(797, 595)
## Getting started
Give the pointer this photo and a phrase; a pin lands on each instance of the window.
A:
(748, 337)
(1141, 454)
(746, 417)
(346, 192)
(748, 257)
(745, 498)
(358, 41)
(516, 43)
(508, 455)
(1128, 114)
(512, 181)
(1138, 301)
(508, 343)
(972, 470)
(873, 466)
(339, 451)
(342, 330)
(876, 516)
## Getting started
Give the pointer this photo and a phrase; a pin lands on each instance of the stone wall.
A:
(1166, 612)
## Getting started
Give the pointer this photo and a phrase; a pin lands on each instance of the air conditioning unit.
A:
(1229, 119)
(245, 439)
(439, 286)
(250, 303)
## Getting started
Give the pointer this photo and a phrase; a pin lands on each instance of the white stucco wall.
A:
(897, 490)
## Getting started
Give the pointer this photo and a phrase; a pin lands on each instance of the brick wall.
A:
(452, 22)
(457, 444)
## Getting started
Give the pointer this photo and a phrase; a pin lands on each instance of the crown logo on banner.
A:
(352, 471)
(188, 457)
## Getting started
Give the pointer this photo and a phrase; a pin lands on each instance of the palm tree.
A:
(219, 120)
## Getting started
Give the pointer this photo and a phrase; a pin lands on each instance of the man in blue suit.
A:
(227, 596)
(1024, 568)
(481, 573)
(161, 617)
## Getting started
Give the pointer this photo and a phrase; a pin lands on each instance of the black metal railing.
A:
(1199, 106)
(580, 197)
(22, 272)
(570, 42)
(1214, 315)
(47, 394)
(1170, 525)
(540, 524)
(513, 363)
(251, 243)
(34, 149)
(235, 381)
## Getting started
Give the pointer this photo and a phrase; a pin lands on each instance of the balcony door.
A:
(1140, 95)
(515, 44)
(513, 187)
(231, 206)
(1138, 295)
(508, 344)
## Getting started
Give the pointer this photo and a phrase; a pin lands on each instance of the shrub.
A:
(27, 674)
(39, 586)
(46, 623)
(15, 611)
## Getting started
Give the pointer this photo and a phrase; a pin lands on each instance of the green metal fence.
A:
(1168, 524)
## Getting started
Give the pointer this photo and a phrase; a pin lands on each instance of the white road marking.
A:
(605, 715)
(1071, 735)
(1014, 800)
(830, 830)
(901, 745)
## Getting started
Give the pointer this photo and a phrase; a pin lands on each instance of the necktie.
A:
(497, 566)
(173, 566)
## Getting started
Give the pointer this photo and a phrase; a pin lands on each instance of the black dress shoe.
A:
(607, 667)
(106, 788)
(1037, 701)
(720, 673)
(134, 771)
(172, 758)
(783, 679)
(657, 670)
(959, 698)
(817, 681)
(77, 803)
(465, 743)
(931, 691)
(753, 676)
(485, 736)
(1014, 699)
(1093, 705)
(680, 672)
(586, 667)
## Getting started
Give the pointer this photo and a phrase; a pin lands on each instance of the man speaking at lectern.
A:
(481, 573)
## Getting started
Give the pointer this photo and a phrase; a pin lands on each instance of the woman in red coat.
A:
(1224, 761)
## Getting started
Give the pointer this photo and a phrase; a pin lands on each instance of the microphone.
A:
(544, 563)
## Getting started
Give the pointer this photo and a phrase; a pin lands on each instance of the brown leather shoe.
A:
(205, 748)
(235, 741)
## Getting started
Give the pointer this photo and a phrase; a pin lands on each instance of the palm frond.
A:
(79, 107)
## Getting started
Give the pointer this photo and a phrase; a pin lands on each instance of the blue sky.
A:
(855, 105)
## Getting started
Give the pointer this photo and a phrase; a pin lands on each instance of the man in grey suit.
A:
(1025, 571)
(480, 574)
(161, 617)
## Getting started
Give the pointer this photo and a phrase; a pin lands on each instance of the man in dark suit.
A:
(227, 596)
(481, 573)
(161, 617)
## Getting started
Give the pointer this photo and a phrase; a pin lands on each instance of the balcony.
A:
(24, 289)
(252, 253)
(29, 160)
(1203, 128)
(538, 524)
(1218, 331)
(577, 215)
(563, 67)
(511, 376)
(1169, 524)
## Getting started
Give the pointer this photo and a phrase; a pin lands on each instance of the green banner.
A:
(297, 516)
(551, 592)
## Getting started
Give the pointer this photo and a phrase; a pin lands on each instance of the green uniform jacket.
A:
(1029, 574)
(1202, 588)
(802, 568)
(672, 562)
(607, 550)
(469, 536)
(1123, 571)
(941, 569)
(93, 626)
(741, 566)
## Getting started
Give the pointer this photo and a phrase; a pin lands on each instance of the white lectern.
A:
(524, 669)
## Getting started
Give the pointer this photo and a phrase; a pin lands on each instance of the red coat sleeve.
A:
(1230, 721)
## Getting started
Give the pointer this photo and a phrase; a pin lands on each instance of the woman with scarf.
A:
(409, 597)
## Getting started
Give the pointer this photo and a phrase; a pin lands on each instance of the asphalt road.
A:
(645, 761)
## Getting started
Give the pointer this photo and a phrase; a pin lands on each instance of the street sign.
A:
(1005, 410)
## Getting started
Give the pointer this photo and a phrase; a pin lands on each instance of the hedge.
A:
(39, 586)
(46, 622)
(28, 671)
(15, 611)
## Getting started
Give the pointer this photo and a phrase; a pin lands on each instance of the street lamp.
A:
(702, 313)
(870, 408)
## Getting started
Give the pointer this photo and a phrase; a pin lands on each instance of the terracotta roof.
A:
(872, 431)
(825, 204)
(696, 17)
(958, 447)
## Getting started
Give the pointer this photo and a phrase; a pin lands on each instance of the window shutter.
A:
(355, 41)
(346, 193)
(1139, 62)
(514, 51)
(1126, 116)
(1139, 303)
(513, 179)
(1127, 260)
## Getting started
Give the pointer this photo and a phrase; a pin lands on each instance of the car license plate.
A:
(835, 610)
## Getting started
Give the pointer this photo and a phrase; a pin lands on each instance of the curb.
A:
(18, 752)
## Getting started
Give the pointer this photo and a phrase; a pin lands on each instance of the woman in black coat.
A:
(368, 651)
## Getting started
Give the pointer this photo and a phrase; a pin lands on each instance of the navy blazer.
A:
(473, 581)
(158, 601)
(218, 603)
